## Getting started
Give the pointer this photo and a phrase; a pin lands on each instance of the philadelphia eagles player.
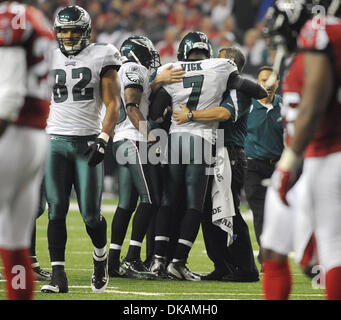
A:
(190, 144)
(137, 178)
(85, 77)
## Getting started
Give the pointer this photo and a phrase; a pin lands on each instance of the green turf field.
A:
(79, 270)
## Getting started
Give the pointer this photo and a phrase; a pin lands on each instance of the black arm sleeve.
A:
(160, 100)
(248, 87)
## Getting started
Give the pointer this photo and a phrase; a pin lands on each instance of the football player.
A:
(137, 178)
(312, 115)
(190, 145)
(25, 42)
(85, 77)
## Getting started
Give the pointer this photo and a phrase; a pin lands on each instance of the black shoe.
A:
(100, 276)
(241, 277)
(136, 269)
(42, 275)
(58, 284)
(215, 275)
(179, 271)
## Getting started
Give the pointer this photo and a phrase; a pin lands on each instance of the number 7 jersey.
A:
(202, 88)
(76, 101)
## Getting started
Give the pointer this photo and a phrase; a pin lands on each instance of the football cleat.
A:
(100, 276)
(41, 275)
(158, 266)
(136, 269)
(179, 271)
(58, 284)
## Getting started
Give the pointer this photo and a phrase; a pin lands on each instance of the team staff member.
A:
(263, 147)
(236, 262)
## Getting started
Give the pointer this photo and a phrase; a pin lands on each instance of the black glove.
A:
(96, 152)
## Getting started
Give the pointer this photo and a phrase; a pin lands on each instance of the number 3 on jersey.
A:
(79, 90)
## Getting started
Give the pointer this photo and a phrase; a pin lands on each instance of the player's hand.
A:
(96, 152)
(281, 182)
(180, 116)
(286, 173)
(169, 75)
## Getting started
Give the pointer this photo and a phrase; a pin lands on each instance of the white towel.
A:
(222, 198)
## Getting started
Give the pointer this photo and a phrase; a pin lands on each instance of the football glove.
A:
(96, 150)
(286, 173)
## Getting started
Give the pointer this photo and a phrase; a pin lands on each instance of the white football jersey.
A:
(132, 74)
(76, 101)
(202, 88)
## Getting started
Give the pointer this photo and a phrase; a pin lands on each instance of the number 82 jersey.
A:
(76, 101)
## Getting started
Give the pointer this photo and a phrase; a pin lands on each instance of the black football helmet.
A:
(194, 40)
(73, 17)
(141, 50)
(284, 21)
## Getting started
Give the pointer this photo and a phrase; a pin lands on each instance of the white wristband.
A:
(288, 159)
(104, 136)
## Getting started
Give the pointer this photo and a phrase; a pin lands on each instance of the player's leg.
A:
(304, 238)
(145, 181)
(325, 175)
(276, 243)
(126, 206)
(18, 202)
(172, 182)
(89, 187)
(40, 274)
(59, 177)
(196, 180)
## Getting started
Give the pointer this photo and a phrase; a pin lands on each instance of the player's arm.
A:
(167, 75)
(111, 97)
(132, 98)
(212, 114)
(12, 83)
(317, 92)
(248, 87)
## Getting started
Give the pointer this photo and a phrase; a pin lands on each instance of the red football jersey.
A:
(325, 39)
(291, 91)
(24, 26)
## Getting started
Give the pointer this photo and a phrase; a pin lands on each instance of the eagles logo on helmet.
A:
(77, 19)
(141, 50)
(194, 40)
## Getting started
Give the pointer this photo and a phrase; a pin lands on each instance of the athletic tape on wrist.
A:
(288, 159)
(104, 136)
